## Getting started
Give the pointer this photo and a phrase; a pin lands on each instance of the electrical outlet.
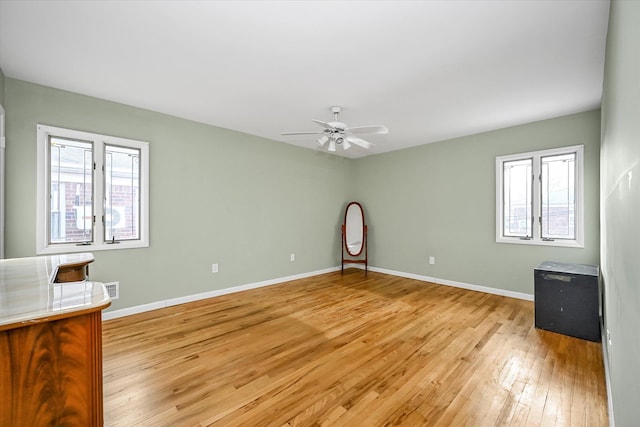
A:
(292, 257)
(432, 260)
(214, 268)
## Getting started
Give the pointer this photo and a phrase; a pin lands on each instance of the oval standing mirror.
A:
(354, 229)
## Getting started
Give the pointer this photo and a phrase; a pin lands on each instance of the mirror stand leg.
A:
(342, 251)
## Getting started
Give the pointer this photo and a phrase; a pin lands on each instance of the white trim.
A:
(137, 309)
(452, 283)
(108, 315)
(42, 178)
(536, 157)
(607, 375)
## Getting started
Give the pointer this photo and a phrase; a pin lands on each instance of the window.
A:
(92, 191)
(539, 198)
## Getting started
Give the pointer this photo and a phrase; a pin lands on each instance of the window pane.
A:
(71, 191)
(517, 198)
(122, 193)
(558, 196)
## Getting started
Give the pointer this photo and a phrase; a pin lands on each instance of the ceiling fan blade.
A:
(324, 124)
(360, 142)
(302, 133)
(377, 129)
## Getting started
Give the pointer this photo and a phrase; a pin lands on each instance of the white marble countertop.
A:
(28, 294)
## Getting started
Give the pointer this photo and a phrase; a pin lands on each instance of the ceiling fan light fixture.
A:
(323, 140)
(338, 133)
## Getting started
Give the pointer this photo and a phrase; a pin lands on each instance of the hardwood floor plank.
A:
(349, 350)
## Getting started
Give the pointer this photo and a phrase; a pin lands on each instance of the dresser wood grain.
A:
(50, 355)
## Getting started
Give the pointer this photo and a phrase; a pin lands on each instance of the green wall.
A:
(620, 194)
(216, 195)
(246, 203)
(439, 200)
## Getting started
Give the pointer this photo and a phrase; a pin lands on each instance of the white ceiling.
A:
(428, 70)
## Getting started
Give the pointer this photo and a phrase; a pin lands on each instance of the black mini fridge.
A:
(567, 299)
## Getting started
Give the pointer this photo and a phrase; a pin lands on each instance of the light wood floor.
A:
(347, 350)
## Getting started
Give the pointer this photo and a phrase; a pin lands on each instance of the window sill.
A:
(70, 248)
(533, 242)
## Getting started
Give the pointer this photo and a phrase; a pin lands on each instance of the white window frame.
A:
(536, 238)
(43, 186)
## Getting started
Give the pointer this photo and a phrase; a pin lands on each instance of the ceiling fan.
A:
(337, 133)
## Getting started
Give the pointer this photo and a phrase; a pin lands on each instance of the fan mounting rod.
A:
(336, 110)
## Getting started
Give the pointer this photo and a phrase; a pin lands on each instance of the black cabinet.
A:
(567, 299)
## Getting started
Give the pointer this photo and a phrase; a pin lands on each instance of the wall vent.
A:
(113, 289)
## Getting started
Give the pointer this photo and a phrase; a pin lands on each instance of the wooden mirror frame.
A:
(363, 244)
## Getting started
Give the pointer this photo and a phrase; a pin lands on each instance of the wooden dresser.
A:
(50, 342)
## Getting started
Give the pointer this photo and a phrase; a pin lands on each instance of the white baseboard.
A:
(108, 315)
(607, 375)
(446, 282)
